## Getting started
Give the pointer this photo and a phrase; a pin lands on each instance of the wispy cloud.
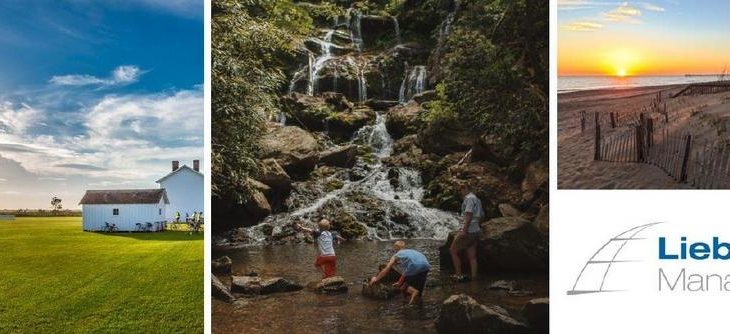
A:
(652, 7)
(121, 75)
(623, 13)
(17, 120)
(586, 26)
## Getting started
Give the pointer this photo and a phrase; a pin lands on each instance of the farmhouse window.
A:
(115, 212)
(160, 212)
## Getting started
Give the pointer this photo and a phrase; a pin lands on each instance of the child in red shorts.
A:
(326, 261)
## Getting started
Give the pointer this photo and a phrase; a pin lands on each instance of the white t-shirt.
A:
(324, 241)
(473, 205)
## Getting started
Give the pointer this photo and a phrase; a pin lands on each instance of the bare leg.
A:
(414, 294)
(321, 269)
(471, 252)
(455, 258)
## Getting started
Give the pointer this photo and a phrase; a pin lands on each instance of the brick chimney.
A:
(175, 165)
(196, 165)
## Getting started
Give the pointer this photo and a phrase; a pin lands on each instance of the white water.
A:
(414, 82)
(401, 199)
(446, 24)
(355, 29)
(397, 29)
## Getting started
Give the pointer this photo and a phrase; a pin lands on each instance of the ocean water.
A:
(576, 83)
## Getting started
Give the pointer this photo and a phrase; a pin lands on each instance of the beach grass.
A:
(56, 278)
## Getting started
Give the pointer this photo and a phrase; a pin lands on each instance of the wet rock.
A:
(306, 111)
(513, 244)
(220, 291)
(463, 314)
(221, 265)
(536, 311)
(332, 285)
(379, 290)
(425, 96)
(250, 285)
(510, 287)
(375, 28)
(295, 149)
(445, 138)
(341, 156)
(254, 285)
(403, 119)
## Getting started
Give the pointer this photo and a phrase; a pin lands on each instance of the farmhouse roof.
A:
(177, 170)
(127, 196)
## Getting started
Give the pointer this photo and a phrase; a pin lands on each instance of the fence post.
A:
(582, 121)
(685, 159)
(639, 144)
(649, 132)
(613, 121)
(597, 152)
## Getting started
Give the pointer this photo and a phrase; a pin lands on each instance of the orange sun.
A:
(621, 72)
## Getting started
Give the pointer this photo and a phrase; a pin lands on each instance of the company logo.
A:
(663, 260)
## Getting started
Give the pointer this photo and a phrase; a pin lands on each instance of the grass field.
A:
(56, 278)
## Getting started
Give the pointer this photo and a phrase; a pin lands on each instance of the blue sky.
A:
(96, 95)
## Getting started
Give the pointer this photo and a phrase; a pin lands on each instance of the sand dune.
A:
(705, 116)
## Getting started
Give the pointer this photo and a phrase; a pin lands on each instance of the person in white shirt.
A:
(467, 238)
(326, 261)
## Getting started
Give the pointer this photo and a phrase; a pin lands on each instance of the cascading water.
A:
(397, 29)
(446, 24)
(413, 83)
(325, 46)
(356, 29)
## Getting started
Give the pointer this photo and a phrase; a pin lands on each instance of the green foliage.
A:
(251, 41)
(494, 86)
(58, 279)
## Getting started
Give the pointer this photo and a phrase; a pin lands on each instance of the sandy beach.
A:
(704, 116)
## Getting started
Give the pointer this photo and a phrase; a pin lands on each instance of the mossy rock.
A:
(333, 184)
(348, 226)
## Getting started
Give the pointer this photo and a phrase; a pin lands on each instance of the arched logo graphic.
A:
(603, 260)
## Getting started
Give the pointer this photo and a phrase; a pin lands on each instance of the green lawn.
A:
(56, 278)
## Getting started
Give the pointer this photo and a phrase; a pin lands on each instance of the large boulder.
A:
(311, 112)
(537, 312)
(490, 183)
(340, 156)
(255, 285)
(377, 28)
(343, 125)
(273, 175)
(463, 314)
(425, 96)
(403, 119)
(220, 291)
(295, 149)
(536, 179)
(221, 265)
(513, 244)
(332, 285)
(257, 206)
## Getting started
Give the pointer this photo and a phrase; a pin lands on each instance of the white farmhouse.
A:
(123, 208)
(184, 186)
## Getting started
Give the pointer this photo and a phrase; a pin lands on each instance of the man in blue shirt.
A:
(414, 267)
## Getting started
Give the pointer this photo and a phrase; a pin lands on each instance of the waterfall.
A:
(446, 24)
(310, 81)
(397, 29)
(282, 118)
(362, 85)
(414, 82)
(325, 46)
(355, 30)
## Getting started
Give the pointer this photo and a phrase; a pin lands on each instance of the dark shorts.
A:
(466, 241)
(417, 281)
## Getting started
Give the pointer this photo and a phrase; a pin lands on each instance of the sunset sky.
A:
(662, 37)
